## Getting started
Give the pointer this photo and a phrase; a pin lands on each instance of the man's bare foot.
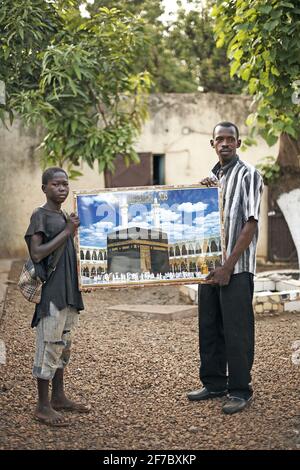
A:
(47, 415)
(69, 405)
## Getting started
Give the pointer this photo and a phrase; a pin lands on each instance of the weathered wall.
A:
(20, 183)
(179, 126)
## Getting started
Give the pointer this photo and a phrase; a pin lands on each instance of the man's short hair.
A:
(50, 172)
(227, 124)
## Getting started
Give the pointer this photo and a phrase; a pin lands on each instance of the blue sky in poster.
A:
(184, 214)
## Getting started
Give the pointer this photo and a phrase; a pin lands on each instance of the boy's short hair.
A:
(226, 124)
(50, 172)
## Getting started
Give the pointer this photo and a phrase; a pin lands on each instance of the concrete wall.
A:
(179, 126)
(20, 183)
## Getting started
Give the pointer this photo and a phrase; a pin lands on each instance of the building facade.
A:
(174, 148)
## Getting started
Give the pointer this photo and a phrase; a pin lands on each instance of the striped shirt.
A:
(242, 187)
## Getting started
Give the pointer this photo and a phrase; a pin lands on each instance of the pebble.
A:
(135, 372)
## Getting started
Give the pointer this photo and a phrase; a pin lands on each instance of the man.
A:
(226, 319)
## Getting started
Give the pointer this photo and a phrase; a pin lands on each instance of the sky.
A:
(183, 221)
(171, 7)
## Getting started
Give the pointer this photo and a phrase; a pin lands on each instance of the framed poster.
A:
(148, 235)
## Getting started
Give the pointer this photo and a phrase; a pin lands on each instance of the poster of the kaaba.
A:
(148, 235)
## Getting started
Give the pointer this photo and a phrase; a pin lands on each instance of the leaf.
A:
(287, 5)
(275, 71)
(2, 117)
(251, 119)
(265, 9)
(11, 116)
(271, 139)
(270, 25)
(74, 125)
(72, 85)
(127, 160)
(134, 157)
(101, 166)
(252, 86)
(111, 167)
(77, 71)
(238, 54)
(74, 174)
(233, 69)
(245, 74)
(290, 130)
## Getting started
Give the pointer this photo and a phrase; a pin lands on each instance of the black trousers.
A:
(226, 335)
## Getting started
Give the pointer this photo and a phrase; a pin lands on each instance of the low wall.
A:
(272, 296)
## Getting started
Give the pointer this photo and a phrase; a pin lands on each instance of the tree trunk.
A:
(287, 189)
(289, 162)
(289, 152)
(289, 204)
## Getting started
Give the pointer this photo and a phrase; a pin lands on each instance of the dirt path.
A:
(135, 373)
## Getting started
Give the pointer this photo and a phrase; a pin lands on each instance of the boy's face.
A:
(57, 189)
(225, 143)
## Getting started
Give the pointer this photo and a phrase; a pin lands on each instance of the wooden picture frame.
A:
(151, 235)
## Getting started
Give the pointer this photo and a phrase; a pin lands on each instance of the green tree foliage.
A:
(269, 169)
(264, 48)
(75, 77)
(181, 56)
(167, 71)
(192, 39)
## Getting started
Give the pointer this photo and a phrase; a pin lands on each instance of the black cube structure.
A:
(138, 250)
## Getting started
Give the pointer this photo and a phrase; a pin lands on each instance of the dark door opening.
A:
(158, 169)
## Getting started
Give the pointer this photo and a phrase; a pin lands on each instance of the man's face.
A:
(57, 189)
(225, 143)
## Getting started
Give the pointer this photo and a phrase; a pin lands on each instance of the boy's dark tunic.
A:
(62, 287)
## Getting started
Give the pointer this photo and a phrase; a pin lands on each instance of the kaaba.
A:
(138, 250)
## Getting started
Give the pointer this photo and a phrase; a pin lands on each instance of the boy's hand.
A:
(209, 181)
(72, 224)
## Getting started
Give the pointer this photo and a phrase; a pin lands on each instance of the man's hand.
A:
(220, 276)
(209, 182)
(72, 224)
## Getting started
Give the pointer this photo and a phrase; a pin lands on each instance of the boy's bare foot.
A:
(69, 405)
(49, 416)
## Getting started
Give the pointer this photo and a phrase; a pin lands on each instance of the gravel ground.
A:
(135, 373)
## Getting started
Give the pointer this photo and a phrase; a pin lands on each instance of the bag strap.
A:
(58, 252)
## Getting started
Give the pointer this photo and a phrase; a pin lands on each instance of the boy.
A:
(57, 313)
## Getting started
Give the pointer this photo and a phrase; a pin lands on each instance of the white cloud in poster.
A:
(94, 233)
(106, 199)
(190, 207)
(177, 221)
(167, 215)
(210, 223)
